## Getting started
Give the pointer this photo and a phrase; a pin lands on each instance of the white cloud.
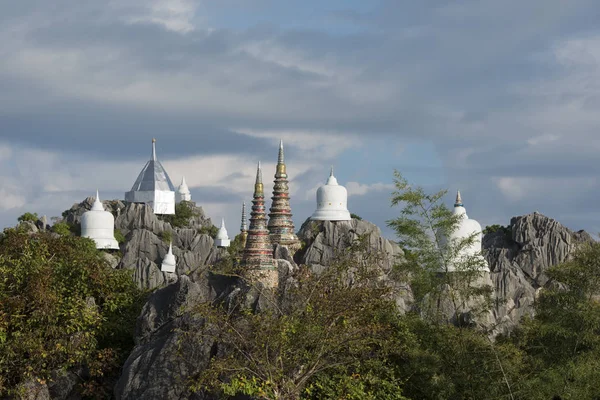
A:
(360, 189)
(173, 15)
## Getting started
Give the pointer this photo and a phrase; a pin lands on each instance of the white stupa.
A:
(465, 229)
(222, 239)
(169, 262)
(183, 192)
(99, 225)
(154, 187)
(332, 202)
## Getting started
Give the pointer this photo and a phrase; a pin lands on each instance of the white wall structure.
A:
(466, 227)
(183, 192)
(99, 225)
(332, 202)
(154, 187)
(222, 239)
(169, 262)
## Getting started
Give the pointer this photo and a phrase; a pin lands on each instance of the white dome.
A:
(169, 262)
(332, 202)
(466, 228)
(183, 192)
(222, 239)
(99, 225)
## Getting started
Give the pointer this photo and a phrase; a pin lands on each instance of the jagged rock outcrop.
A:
(147, 238)
(518, 257)
(323, 239)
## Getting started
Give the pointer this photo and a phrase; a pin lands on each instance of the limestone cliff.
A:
(147, 239)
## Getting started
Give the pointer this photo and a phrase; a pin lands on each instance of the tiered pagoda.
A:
(244, 225)
(281, 225)
(258, 253)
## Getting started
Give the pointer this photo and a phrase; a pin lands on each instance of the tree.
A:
(437, 268)
(562, 341)
(62, 306)
(318, 341)
(31, 217)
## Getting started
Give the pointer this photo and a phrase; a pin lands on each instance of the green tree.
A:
(62, 306)
(184, 213)
(318, 342)
(31, 217)
(562, 341)
(62, 228)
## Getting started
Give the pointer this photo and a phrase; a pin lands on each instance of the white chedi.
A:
(332, 202)
(222, 239)
(169, 262)
(183, 192)
(99, 225)
(465, 229)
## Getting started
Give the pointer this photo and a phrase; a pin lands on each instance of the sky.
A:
(496, 99)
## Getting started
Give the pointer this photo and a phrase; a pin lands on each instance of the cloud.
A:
(358, 189)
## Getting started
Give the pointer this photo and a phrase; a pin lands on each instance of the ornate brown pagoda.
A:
(244, 225)
(258, 253)
(281, 225)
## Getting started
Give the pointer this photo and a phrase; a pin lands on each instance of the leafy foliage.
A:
(184, 212)
(355, 216)
(62, 228)
(119, 237)
(61, 306)
(497, 228)
(31, 217)
(209, 230)
(333, 321)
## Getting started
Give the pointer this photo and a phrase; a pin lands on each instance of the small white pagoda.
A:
(332, 202)
(222, 239)
(183, 192)
(169, 262)
(154, 187)
(99, 225)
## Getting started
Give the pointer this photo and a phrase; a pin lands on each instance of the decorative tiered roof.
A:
(281, 225)
(258, 252)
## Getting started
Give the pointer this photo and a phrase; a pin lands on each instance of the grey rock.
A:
(28, 227)
(518, 260)
(111, 259)
(322, 239)
(34, 390)
(63, 385)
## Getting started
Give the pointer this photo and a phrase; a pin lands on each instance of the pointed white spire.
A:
(280, 158)
(153, 149)
(222, 239)
(332, 179)
(169, 262)
(97, 203)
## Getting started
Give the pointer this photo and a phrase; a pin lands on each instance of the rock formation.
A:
(147, 238)
(518, 257)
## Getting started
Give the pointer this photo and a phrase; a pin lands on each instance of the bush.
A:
(354, 216)
(62, 306)
(184, 212)
(166, 236)
(32, 217)
(62, 228)
(210, 230)
(497, 228)
(119, 237)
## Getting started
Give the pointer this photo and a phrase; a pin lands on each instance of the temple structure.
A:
(169, 262)
(281, 225)
(222, 239)
(99, 225)
(469, 254)
(154, 187)
(244, 225)
(183, 192)
(332, 202)
(258, 252)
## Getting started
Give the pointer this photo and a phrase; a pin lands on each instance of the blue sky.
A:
(497, 99)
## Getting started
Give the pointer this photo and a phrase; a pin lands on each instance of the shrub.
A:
(62, 228)
(119, 237)
(184, 212)
(32, 217)
(210, 230)
(62, 306)
(166, 236)
(354, 216)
